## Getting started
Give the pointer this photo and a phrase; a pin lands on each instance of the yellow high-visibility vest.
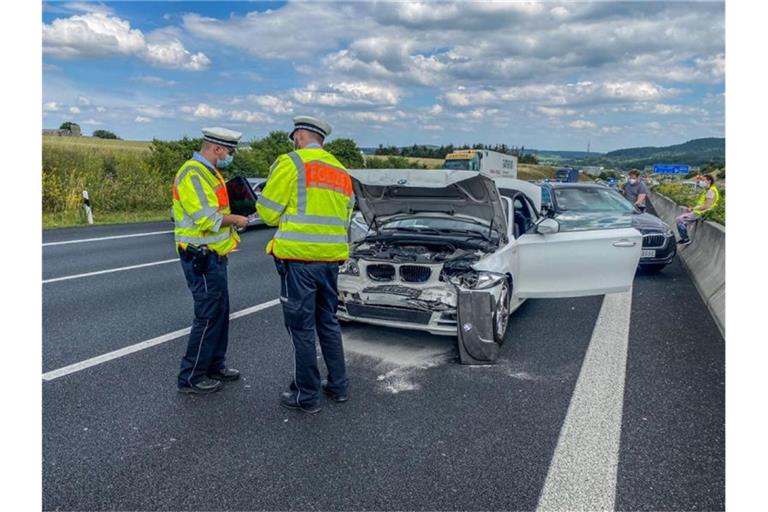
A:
(309, 197)
(699, 208)
(200, 201)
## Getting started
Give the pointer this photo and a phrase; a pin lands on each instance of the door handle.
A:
(624, 243)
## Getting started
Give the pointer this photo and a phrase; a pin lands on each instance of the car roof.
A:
(557, 184)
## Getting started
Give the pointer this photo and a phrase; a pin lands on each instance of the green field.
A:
(121, 182)
(95, 143)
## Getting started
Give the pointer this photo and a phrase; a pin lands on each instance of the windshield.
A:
(591, 200)
(463, 164)
(436, 225)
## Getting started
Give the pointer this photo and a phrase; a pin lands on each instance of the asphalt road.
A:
(570, 395)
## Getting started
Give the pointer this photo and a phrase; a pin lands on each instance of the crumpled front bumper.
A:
(429, 308)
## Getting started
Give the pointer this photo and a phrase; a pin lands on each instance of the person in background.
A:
(707, 200)
(635, 190)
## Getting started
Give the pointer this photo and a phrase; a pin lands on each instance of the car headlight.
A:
(350, 268)
(477, 280)
(487, 280)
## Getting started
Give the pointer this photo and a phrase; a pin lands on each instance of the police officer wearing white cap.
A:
(204, 233)
(309, 197)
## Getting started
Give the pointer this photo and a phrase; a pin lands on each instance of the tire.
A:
(501, 315)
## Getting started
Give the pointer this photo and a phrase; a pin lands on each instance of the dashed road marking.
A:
(108, 271)
(84, 240)
(582, 474)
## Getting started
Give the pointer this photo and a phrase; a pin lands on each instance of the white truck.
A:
(491, 163)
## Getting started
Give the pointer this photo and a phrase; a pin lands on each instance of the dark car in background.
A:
(576, 205)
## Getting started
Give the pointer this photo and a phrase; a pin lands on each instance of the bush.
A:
(347, 152)
(117, 181)
(392, 162)
(105, 134)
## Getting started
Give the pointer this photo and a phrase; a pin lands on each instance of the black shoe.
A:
(684, 241)
(203, 387)
(225, 374)
(288, 400)
(334, 396)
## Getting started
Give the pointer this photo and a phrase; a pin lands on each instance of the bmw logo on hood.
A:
(402, 181)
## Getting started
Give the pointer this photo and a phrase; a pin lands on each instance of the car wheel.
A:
(501, 315)
(653, 268)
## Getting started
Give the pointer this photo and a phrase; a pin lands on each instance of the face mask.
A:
(632, 181)
(220, 164)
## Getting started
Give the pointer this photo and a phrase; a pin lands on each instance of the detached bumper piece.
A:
(475, 329)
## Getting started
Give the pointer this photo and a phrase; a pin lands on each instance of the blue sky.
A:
(553, 75)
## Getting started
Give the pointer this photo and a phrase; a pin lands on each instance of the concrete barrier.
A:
(704, 257)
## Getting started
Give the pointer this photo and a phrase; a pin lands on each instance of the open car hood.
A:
(384, 193)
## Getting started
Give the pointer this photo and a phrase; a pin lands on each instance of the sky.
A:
(544, 75)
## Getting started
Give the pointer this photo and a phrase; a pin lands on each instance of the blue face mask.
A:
(220, 164)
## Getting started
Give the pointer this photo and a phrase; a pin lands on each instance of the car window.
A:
(590, 200)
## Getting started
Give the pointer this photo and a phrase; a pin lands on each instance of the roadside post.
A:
(87, 206)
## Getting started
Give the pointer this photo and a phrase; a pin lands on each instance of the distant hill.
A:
(556, 157)
(695, 152)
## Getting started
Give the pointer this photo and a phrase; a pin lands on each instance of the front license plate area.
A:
(647, 253)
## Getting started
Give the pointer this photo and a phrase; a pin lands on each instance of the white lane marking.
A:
(109, 356)
(65, 242)
(108, 271)
(582, 474)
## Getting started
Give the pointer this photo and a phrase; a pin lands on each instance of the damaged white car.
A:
(456, 252)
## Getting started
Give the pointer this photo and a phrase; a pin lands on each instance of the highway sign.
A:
(670, 169)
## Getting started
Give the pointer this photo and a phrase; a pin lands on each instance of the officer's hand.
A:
(241, 222)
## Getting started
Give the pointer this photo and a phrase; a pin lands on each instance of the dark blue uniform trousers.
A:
(308, 293)
(207, 344)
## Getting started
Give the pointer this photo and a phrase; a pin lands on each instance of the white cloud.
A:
(277, 33)
(92, 121)
(101, 109)
(154, 111)
(154, 80)
(74, 110)
(377, 117)
(580, 93)
(250, 117)
(88, 7)
(555, 111)
(580, 124)
(99, 34)
(203, 110)
(142, 119)
(272, 103)
(51, 106)
(347, 94)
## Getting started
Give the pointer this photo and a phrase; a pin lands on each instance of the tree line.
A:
(255, 159)
(423, 151)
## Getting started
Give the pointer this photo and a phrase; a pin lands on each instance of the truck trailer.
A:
(492, 163)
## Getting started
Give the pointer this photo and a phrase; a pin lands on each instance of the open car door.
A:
(576, 263)
(242, 198)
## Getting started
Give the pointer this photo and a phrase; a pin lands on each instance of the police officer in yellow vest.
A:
(205, 234)
(309, 197)
(707, 200)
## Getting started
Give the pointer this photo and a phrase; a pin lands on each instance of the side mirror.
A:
(547, 227)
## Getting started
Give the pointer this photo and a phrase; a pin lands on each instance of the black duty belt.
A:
(191, 252)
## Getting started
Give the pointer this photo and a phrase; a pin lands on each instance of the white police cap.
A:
(312, 124)
(222, 136)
